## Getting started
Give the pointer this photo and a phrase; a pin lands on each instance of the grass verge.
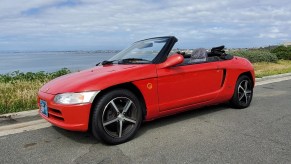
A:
(18, 91)
(266, 69)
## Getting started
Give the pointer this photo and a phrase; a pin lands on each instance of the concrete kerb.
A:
(19, 115)
(31, 113)
(273, 77)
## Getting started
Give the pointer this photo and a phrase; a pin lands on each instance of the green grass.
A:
(18, 91)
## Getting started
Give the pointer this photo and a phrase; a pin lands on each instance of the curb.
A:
(34, 112)
(19, 115)
(273, 77)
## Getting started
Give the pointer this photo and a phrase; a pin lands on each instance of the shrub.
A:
(282, 52)
(255, 56)
(279, 49)
(30, 76)
(284, 55)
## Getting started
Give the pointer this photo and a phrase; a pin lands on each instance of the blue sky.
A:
(100, 24)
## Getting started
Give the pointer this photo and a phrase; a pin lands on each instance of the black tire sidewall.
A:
(97, 127)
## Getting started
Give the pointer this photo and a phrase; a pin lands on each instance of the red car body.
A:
(163, 90)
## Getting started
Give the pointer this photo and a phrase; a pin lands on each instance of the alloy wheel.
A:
(244, 92)
(119, 117)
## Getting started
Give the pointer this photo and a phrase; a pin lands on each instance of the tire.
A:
(116, 116)
(243, 93)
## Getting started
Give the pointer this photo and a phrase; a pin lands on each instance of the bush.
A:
(284, 55)
(30, 76)
(282, 52)
(255, 56)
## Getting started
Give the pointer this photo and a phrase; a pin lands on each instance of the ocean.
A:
(50, 61)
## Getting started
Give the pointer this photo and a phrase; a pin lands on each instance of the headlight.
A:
(75, 98)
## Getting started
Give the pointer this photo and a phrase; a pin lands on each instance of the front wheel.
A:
(116, 116)
(243, 93)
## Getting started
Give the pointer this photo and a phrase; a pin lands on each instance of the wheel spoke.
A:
(246, 98)
(120, 128)
(240, 87)
(128, 104)
(110, 122)
(114, 106)
(246, 85)
(248, 91)
(130, 120)
(240, 97)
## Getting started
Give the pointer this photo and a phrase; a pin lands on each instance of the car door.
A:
(186, 85)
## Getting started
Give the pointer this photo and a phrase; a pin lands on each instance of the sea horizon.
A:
(51, 61)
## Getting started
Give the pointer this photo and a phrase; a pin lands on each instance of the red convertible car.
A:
(143, 82)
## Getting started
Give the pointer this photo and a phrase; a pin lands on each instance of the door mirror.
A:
(173, 60)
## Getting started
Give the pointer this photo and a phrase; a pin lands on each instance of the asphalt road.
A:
(218, 134)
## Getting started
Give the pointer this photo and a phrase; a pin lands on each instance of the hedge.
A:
(255, 56)
(282, 52)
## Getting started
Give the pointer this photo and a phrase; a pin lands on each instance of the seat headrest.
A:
(198, 55)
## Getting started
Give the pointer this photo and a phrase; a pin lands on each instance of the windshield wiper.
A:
(129, 60)
(105, 62)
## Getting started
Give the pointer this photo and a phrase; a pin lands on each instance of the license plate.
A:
(43, 108)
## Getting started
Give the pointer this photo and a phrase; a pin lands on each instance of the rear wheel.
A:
(243, 94)
(117, 116)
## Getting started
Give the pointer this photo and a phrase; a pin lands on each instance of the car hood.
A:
(99, 78)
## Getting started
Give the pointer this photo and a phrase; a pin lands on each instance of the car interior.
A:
(201, 55)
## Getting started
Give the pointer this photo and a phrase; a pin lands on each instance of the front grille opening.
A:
(56, 111)
(57, 118)
(56, 114)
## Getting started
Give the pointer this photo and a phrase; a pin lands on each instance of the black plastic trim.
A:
(223, 77)
(163, 54)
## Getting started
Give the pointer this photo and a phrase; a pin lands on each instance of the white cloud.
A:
(91, 24)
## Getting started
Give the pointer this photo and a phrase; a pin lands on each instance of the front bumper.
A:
(70, 117)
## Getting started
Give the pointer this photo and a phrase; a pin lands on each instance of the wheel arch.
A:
(249, 74)
(131, 87)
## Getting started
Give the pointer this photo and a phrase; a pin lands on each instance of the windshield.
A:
(143, 51)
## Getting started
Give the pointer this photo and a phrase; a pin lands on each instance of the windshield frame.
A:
(160, 56)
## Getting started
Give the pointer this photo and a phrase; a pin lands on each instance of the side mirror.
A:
(173, 60)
